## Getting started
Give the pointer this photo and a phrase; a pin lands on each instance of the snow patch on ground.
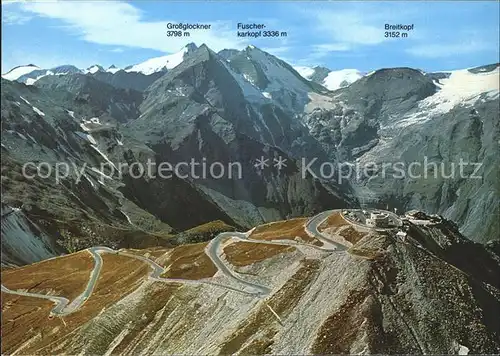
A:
(83, 125)
(26, 101)
(13, 132)
(102, 174)
(106, 158)
(250, 92)
(32, 139)
(87, 137)
(248, 79)
(463, 350)
(90, 181)
(128, 217)
(38, 111)
(176, 91)
(31, 81)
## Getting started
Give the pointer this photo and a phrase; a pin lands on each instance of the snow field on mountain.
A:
(461, 88)
(334, 79)
(157, 64)
(19, 72)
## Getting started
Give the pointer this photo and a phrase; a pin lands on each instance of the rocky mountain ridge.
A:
(239, 106)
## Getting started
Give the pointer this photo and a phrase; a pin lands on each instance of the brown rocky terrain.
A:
(426, 293)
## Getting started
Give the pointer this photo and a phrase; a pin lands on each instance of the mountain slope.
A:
(434, 292)
(199, 110)
(80, 208)
(399, 116)
(275, 78)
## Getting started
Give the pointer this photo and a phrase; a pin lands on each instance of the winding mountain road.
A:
(213, 251)
(62, 304)
(312, 229)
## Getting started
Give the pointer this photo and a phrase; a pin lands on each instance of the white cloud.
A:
(315, 54)
(10, 17)
(8, 2)
(122, 24)
(326, 48)
(341, 29)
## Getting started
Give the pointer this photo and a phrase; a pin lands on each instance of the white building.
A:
(378, 220)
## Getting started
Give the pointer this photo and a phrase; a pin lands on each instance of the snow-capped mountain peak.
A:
(19, 71)
(306, 72)
(271, 76)
(191, 47)
(341, 78)
(94, 69)
(162, 63)
(331, 80)
(268, 72)
(112, 69)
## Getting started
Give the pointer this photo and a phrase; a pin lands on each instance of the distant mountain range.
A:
(30, 73)
(237, 106)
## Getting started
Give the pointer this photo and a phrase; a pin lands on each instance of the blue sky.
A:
(447, 35)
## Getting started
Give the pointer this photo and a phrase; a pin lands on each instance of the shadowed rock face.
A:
(400, 116)
(196, 111)
(126, 80)
(319, 75)
(436, 292)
